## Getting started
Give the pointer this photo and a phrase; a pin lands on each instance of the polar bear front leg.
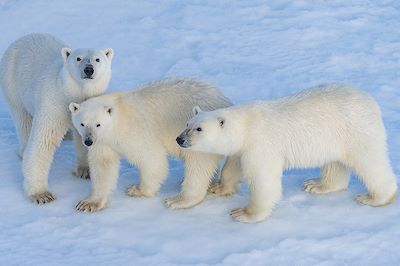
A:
(104, 167)
(199, 170)
(46, 135)
(230, 178)
(265, 183)
(82, 164)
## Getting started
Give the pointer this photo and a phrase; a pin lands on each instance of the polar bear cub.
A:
(141, 125)
(334, 126)
(40, 76)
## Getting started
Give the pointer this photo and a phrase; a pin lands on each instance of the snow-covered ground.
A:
(251, 50)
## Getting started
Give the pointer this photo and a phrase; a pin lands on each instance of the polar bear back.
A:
(25, 60)
(172, 100)
(159, 111)
(180, 94)
(308, 129)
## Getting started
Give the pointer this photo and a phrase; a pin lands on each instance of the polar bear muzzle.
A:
(89, 71)
(88, 140)
(182, 139)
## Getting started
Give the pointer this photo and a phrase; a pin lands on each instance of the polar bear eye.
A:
(82, 124)
(199, 129)
(78, 59)
(98, 125)
(97, 59)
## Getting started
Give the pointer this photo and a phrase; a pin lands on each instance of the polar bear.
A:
(141, 125)
(40, 76)
(334, 126)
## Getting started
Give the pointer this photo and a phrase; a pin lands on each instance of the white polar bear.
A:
(141, 125)
(334, 126)
(40, 76)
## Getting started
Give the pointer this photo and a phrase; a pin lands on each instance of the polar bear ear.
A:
(73, 107)
(108, 109)
(109, 52)
(66, 52)
(196, 110)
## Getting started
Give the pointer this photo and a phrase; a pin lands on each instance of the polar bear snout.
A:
(89, 71)
(88, 140)
(182, 141)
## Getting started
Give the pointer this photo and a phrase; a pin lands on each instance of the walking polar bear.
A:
(40, 76)
(141, 125)
(334, 126)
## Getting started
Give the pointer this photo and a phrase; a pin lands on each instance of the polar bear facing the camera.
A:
(141, 125)
(336, 127)
(40, 76)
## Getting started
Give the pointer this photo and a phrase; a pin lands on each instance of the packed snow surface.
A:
(251, 50)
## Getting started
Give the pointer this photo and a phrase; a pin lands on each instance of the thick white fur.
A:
(335, 127)
(40, 76)
(141, 125)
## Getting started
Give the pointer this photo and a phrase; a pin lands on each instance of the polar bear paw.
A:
(181, 202)
(135, 191)
(42, 198)
(243, 215)
(367, 199)
(219, 189)
(317, 186)
(89, 206)
(82, 172)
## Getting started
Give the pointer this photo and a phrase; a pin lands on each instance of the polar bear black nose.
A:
(89, 70)
(88, 142)
(180, 140)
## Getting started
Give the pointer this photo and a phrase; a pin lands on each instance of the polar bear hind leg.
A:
(21, 117)
(199, 170)
(334, 177)
(230, 178)
(264, 175)
(374, 170)
(23, 125)
(153, 171)
(265, 192)
(153, 168)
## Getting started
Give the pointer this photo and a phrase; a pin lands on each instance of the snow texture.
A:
(251, 50)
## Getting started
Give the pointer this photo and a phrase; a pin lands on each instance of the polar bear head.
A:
(88, 65)
(208, 132)
(93, 119)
